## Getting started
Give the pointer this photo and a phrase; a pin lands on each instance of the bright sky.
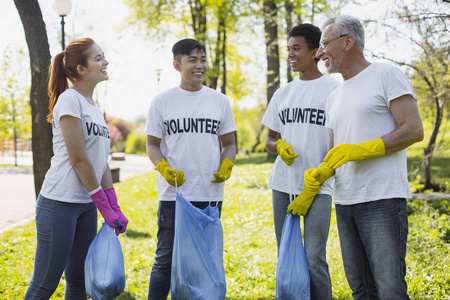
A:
(133, 59)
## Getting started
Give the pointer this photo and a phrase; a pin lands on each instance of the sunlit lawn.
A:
(249, 242)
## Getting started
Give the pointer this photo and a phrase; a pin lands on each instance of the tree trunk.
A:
(214, 71)
(272, 53)
(224, 61)
(289, 24)
(37, 41)
(198, 13)
(258, 140)
(428, 151)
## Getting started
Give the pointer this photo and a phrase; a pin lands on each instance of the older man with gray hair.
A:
(374, 117)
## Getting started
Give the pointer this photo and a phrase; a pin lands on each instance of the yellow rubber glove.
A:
(319, 175)
(286, 152)
(343, 153)
(302, 202)
(170, 174)
(224, 171)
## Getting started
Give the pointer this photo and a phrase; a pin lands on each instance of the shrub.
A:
(136, 142)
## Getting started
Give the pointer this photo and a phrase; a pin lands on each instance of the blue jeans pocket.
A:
(39, 203)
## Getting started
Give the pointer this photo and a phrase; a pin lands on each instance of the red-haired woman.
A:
(79, 178)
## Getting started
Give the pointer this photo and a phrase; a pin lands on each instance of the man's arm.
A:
(410, 129)
(271, 141)
(280, 147)
(228, 143)
(172, 176)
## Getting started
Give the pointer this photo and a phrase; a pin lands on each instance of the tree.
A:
(289, 10)
(15, 114)
(225, 19)
(159, 18)
(428, 22)
(270, 13)
(198, 13)
(37, 41)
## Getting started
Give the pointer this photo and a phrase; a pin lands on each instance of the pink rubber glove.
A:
(101, 201)
(111, 194)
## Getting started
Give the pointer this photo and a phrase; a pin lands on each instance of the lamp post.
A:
(158, 75)
(62, 8)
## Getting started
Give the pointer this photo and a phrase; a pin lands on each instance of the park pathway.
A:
(17, 197)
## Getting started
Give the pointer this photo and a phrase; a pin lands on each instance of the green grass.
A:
(249, 242)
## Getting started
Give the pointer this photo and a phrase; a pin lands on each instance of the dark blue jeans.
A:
(373, 242)
(159, 286)
(64, 232)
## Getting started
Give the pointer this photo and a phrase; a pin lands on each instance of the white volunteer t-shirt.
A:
(357, 112)
(61, 182)
(189, 124)
(297, 112)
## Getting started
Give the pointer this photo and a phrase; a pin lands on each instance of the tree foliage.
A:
(15, 110)
(39, 50)
(425, 25)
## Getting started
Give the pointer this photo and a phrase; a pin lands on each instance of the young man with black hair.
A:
(297, 113)
(190, 139)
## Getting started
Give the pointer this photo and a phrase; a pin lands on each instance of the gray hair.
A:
(348, 25)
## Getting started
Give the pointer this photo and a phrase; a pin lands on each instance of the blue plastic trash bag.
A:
(197, 261)
(104, 271)
(292, 278)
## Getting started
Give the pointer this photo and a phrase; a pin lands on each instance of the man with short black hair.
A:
(190, 139)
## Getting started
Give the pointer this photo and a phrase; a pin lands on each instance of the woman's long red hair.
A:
(64, 68)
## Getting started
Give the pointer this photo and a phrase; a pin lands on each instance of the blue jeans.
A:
(159, 285)
(317, 226)
(64, 232)
(373, 242)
